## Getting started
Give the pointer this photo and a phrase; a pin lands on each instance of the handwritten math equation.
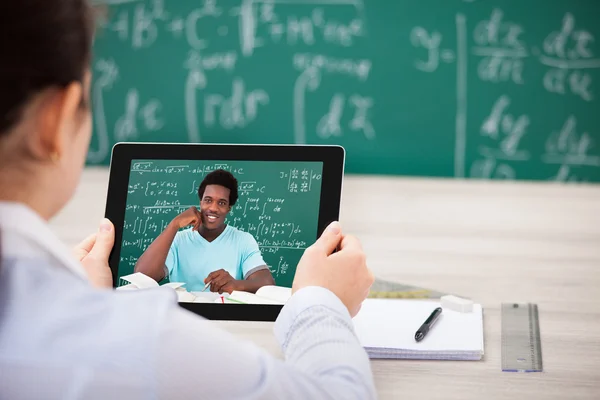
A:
(299, 180)
(208, 30)
(569, 58)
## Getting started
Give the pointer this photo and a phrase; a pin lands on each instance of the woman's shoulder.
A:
(51, 311)
(53, 318)
(45, 279)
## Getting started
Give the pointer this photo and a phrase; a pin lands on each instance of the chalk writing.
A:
(126, 126)
(108, 74)
(309, 80)
(419, 37)
(235, 111)
(358, 68)
(340, 71)
(569, 147)
(500, 124)
(197, 64)
(238, 103)
(360, 121)
(309, 29)
(329, 124)
(489, 168)
(498, 44)
(300, 181)
(568, 53)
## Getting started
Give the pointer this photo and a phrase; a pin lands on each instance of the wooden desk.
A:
(492, 242)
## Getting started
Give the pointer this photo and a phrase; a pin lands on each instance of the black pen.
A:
(424, 329)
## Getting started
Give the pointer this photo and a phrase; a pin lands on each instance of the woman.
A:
(64, 333)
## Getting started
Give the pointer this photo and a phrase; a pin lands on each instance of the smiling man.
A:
(209, 251)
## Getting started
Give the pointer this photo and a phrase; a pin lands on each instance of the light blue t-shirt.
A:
(191, 257)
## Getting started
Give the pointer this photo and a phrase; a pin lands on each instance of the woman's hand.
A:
(93, 253)
(344, 272)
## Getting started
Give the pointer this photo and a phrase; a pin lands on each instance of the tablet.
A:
(225, 225)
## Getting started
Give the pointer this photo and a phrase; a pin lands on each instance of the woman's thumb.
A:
(330, 238)
(105, 240)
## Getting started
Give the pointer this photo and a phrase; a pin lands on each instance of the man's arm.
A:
(152, 261)
(221, 281)
(255, 271)
(323, 358)
(256, 280)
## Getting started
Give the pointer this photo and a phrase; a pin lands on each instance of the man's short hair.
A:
(222, 178)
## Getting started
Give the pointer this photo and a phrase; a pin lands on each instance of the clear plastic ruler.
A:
(521, 341)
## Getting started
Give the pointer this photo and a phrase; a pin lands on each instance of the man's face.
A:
(214, 206)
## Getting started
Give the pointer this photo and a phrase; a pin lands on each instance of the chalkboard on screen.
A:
(278, 205)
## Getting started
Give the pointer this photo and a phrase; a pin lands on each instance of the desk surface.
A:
(492, 242)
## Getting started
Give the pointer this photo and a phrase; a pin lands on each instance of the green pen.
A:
(235, 301)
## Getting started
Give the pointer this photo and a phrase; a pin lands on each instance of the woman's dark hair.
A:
(43, 44)
(222, 178)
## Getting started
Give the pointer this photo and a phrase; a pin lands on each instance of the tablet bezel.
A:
(332, 157)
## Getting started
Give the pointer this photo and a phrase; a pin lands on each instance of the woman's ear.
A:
(59, 117)
(69, 115)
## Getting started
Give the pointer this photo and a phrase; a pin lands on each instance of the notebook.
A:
(386, 329)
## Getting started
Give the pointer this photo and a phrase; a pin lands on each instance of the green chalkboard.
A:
(505, 89)
(278, 204)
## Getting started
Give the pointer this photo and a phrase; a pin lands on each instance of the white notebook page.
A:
(392, 324)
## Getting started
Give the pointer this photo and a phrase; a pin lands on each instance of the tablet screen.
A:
(256, 217)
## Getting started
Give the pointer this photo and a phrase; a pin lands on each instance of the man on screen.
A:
(209, 251)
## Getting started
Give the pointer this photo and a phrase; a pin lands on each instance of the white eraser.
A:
(456, 303)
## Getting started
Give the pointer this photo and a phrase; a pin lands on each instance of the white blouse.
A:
(60, 338)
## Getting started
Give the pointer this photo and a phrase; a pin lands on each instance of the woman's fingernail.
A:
(334, 228)
(105, 226)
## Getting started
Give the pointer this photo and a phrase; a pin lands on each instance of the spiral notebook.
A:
(386, 329)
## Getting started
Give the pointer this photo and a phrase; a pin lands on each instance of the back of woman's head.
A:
(43, 44)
